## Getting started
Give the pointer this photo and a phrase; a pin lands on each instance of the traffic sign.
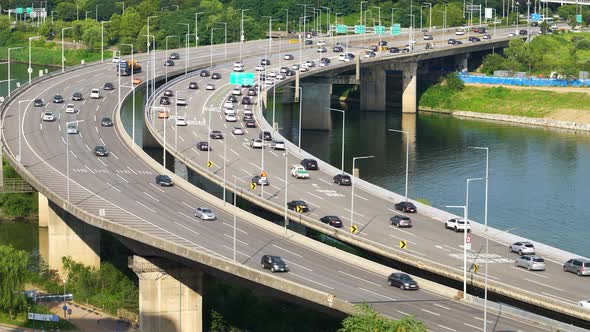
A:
(29, 10)
(579, 18)
(535, 17)
(353, 229)
(341, 28)
(237, 78)
(475, 268)
(359, 29)
(299, 209)
(20, 10)
(403, 244)
(396, 29)
(252, 185)
(70, 311)
(379, 29)
(263, 174)
(468, 242)
(30, 70)
(209, 164)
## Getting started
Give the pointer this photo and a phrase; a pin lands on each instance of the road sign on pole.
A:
(209, 164)
(341, 28)
(403, 244)
(253, 186)
(354, 229)
(359, 29)
(535, 17)
(379, 29)
(396, 29)
(468, 242)
(241, 78)
(475, 268)
(578, 18)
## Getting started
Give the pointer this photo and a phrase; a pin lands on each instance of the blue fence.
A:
(524, 81)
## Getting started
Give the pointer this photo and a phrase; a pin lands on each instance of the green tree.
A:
(13, 269)
(493, 62)
(453, 82)
(92, 37)
(66, 11)
(366, 319)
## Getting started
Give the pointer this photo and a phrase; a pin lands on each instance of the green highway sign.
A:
(341, 28)
(20, 10)
(578, 18)
(396, 29)
(359, 29)
(29, 10)
(379, 29)
(241, 78)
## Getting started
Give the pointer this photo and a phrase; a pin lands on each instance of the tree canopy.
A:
(13, 268)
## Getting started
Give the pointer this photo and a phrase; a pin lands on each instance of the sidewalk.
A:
(87, 319)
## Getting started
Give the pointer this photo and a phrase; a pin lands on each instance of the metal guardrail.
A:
(15, 185)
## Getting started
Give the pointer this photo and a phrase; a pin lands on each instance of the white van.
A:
(238, 67)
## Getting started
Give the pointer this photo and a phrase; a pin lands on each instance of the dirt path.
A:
(542, 88)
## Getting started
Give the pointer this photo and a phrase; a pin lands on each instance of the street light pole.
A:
(20, 131)
(9, 80)
(343, 136)
(96, 15)
(242, 36)
(148, 52)
(63, 58)
(197, 29)
(102, 40)
(407, 155)
(133, 94)
(287, 21)
(166, 75)
(30, 69)
(211, 48)
(224, 39)
(352, 184)
(122, 2)
(186, 55)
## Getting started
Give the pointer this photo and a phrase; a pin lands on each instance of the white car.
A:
(116, 59)
(269, 82)
(554, 26)
(299, 172)
(256, 143)
(231, 118)
(236, 92)
(180, 101)
(511, 34)
(309, 63)
(303, 68)
(181, 121)
(228, 104)
(70, 108)
(94, 94)
(260, 68)
(281, 76)
(272, 74)
(238, 67)
(237, 131)
(460, 32)
(322, 49)
(229, 109)
(73, 129)
(457, 225)
(295, 67)
(248, 112)
(288, 57)
(321, 42)
(278, 145)
(584, 304)
(48, 116)
(210, 86)
(205, 213)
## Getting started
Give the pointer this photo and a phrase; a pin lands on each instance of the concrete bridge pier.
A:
(170, 295)
(288, 95)
(373, 88)
(68, 236)
(461, 61)
(315, 105)
(409, 74)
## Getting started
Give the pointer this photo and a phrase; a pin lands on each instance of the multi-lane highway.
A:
(428, 241)
(122, 189)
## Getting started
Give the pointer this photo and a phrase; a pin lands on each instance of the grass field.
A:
(52, 56)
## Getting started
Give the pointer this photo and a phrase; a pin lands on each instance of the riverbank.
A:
(51, 57)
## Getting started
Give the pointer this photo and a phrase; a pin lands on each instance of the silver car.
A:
(531, 262)
(579, 266)
(205, 213)
(522, 248)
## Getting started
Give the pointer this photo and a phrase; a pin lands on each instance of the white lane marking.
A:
(253, 164)
(122, 178)
(152, 197)
(188, 229)
(190, 207)
(442, 306)
(403, 313)
(180, 137)
(446, 328)
(88, 168)
(474, 327)
(402, 239)
(73, 154)
(129, 168)
(153, 211)
(190, 217)
(316, 196)
(542, 284)
(113, 187)
(157, 187)
(232, 150)
(361, 197)
(96, 128)
(232, 249)
(87, 147)
(102, 162)
(289, 251)
(441, 248)
(359, 278)
(80, 134)
(392, 210)
(237, 228)
(529, 272)
(557, 297)
(64, 140)
(324, 181)
(102, 141)
(114, 155)
(315, 282)
(430, 312)
(238, 240)
(386, 297)
(301, 266)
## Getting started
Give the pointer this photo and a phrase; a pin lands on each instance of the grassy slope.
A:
(52, 55)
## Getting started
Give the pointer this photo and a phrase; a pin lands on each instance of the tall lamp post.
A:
(300, 111)
(242, 36)
(352, 184)
(133, 94)
(343, 136)
(30, 69)
(287, 21)
(96, 14)
(9, 80)
(63, 58)
(235, 208)
(102, 40)
(148, 50)
(20, 131)
(429, 15)
(211, 48)
(485, 218)
(166, 75)
(68, 158)
(407, 155)
(224, 39)
(186, 55)
(197, 28)
(123, 3)
(379, 17)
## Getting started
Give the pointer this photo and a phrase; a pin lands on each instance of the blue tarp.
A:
(524, 81)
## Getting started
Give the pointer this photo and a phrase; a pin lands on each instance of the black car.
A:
(342, 179)
(193, 85)
(77, 96)
(292, 205)
(308, 42)
(101, 151)
(383, 43)
(265, 135)
(325, 60)
(402, 281)
(452, 41)
(203, 146)
(374, 48)
(38, 103)
(394, 50)
(246, 100)
(108, 86)
(265, 62)
(169, 63)
(174, 56)
(290, 73)
(406, 207)
(168, 93)
(401, 221)
(164, 100)
(216, 134)
(164, 180)
(204, 73)
(216, 76)
(458, 42)
(310, 164)
(250, 123)
(338, 49)
(274, 263)
(473, 39)
(58, 99)
(106, 122)
(252, 92)
(333, 221)
(522, 32)
(232, 98)
(261, 181)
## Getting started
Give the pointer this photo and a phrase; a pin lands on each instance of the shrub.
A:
(583, 44)
(453, 82)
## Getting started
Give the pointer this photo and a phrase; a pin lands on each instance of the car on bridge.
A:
(405, 206)
(77, 96)
(168, 93)
(164, 100)
(265, 135)
(530, 262)
(370, 54)
(382, 43)
(163, 114)
(322, 49)
(288, 57)
(428, 37)
(237, 131)
(252, 92)
(203, 146)
(584, 304)
(169, 63)
(216, 134)
(180, 101)
(321, 42)
(342, 179)
(333, 221)
(48, 116)
(273, 263)
(522, 248)
(326, 60)
(216, 76)
(193, 85)
(101, 151)
(70, 108)
(181, 121)
(299, 172)
(256, 143)
(487, 37)
(210, 86)
(277, 145)
(174, 56)
(250, 123)
(474, 39)
(394, 50)
(265, 62)
(38, 103)
(246, 100)
(260, 68)
(73, 129)
(337, 49)
(298, 206)
(310, 63)
(231, 117)
(402, 280)
(58, 99)
(308, 42)
(205, 213)
(106, 122)
(579, 266)
(310, 164)
(95, 94)
(260, 180)
(108, 86)
(204, 73)
(429, 46)
(400, 220)
(457, 225)
(164, 180)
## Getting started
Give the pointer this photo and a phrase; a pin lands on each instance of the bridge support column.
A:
(169, 296)
(461, 62)
(288, 95)
(297, 83)
(69, 236)
(373, 89)
(315, 106)
(409, 88)
(43, 210)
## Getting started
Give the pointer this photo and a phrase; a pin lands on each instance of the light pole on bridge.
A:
(352, 185)
(102, 40)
